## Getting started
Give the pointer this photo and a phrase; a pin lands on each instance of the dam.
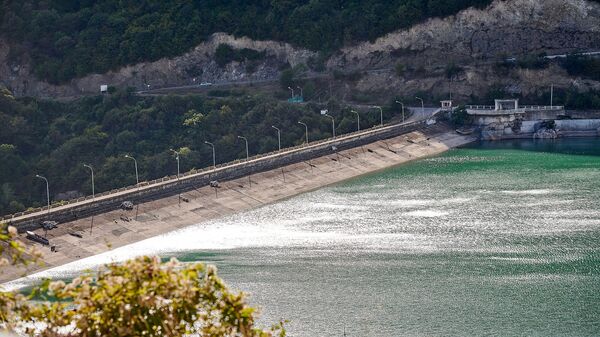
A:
(164, 206)
(492, 238)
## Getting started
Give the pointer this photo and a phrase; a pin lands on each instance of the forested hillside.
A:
(67, 39)
(55, 139)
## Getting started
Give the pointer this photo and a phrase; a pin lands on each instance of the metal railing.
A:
(146, 185)
(480, 107)
(542, 107)
(521, 107)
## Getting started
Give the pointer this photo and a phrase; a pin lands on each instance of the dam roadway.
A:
(327, 162)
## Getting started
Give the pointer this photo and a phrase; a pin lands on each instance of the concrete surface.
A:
(118, 228)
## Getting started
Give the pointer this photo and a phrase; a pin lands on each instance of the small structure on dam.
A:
(507, 119)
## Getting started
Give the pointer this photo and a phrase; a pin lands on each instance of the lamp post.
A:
(176, 158)
(422, 106)
(402, 104)
(332, 124)
(92, 170)
(137, 177)
(292, 91)
(47, 190)
(247, 158)
(213, 152)
(246, 141)
(357, 120)
(278, 136)
(306, 128)
(551, 96)
(301, 93)
(380, 114)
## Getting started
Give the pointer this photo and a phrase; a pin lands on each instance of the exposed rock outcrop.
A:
(470, 38)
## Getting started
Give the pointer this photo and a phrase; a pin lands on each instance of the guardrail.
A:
(542, 107)
(480, 107)
(521, 107)
(243, 165)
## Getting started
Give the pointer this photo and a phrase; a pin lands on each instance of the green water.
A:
(491, 239)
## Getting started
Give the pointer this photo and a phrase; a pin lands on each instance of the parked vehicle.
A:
(49, 225)
(127, 205)
(37, 238)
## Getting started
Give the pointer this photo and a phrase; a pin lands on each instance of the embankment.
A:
(159, 209)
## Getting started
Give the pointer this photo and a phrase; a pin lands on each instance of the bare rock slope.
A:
(505, 28)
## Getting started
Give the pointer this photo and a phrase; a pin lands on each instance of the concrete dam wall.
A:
(161, 188)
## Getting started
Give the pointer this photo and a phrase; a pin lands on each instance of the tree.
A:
(140, 297)
(400, 69)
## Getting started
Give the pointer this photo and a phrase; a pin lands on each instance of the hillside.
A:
(68, 39)
(466, 55)
(474, 40)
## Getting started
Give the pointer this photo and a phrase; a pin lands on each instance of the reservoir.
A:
(495, 238)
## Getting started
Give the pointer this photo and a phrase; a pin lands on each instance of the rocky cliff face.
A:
(506, 28)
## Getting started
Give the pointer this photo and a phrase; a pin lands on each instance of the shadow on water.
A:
(569, 146)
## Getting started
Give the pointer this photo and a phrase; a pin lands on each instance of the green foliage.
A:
(533, 62)
(226, 54)
(286, 78)
(453, 70)
(460, 117)
(66, 39)
(140, 297)
(55, 138)
(584, 66)
(400, 69)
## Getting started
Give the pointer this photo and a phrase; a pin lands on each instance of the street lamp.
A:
(422, 106)
(176, 158)
(137, 177)
(292, 91)
(213, 151)
(278, 136)
(552, 96)
(380, 113)
(301, 94)
(246, 141)
(92, 170)
(402, 110)
(247, 157)
(357, 120)
(306, 128)
(332, 124)
(47, 190)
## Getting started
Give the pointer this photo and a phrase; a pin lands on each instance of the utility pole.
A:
(552, 96)
(92, 170)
